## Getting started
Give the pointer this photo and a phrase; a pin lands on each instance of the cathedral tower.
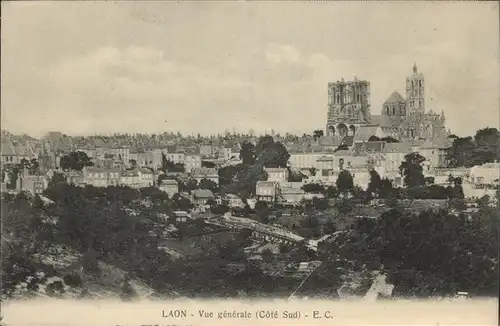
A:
(348, 107)
(415, 95)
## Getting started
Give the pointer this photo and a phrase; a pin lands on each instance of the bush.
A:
(73, 280)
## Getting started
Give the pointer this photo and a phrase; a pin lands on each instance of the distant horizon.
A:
(206, 67)
(201, 135)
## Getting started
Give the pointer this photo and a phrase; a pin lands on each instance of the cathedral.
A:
(401, 118)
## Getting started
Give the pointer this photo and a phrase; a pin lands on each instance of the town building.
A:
(169, 186)
(267, 190)
(205, 173)
(192, 161)
(76, 178)
(146, 177)
(436, 152)
(201, 196)
(294, 196)
(15, 153)
(276, 174)
(348, 106)
(400, 118)
(34, 184)
(101, 177)
(486, 174)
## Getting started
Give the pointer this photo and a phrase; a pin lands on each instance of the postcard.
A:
(196, 163)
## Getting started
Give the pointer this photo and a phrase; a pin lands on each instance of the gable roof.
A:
(371, 146)
(203, 193)
(439, 143)
(386, 121)
(404, 147)
(363, 133)
(395, 98)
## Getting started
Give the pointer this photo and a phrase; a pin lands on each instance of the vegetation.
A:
(477, 150)
(75, 161)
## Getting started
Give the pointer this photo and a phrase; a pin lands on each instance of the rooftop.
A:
(363, 133)
(395, 98)
(203, 193)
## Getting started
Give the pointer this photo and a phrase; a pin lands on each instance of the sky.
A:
(205, 67)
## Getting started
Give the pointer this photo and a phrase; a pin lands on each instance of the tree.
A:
(318, 134)
(75, 161)
(313, 188)
(344, 206)
(345, 182)
(331, 192)
(429, 180)
(294, 176)
(267, 255)
(386, 189)
(208, 184)
(411, 170)
(262, 211)
(90, 263)
(247, 153)
(270, 153)
(180, 203)
(329, 227)
(389, 140)
(375, 182)
(461, 153)
(56, 179)
(128, 293)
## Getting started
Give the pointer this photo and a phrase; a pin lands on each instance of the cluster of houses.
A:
(319, 161)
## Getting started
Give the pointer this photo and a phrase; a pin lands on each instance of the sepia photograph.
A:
(193, 163)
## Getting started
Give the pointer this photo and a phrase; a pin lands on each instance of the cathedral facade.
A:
(401, 118)
(348, 107)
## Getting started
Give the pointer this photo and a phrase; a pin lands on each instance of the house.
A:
(364, 133)
(394, 154)
(101, 177)
(34, 184)
(436, 152)
(306, 159)
(205, 173)
(14, 154)
(206, 151)
(325, 162)
(276, 174)
(295, 195)
(486, 174)
(181, 216)
(234, 201)
(192, 161)
(267, 190)
(171, 187)
(75, 177)
(146, 177)
(130, 178)
(202, 196)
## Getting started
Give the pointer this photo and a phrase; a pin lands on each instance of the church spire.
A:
(415, 67)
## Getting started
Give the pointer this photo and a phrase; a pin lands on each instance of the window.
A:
(338, 98)
(420, 83)
(393, 110)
